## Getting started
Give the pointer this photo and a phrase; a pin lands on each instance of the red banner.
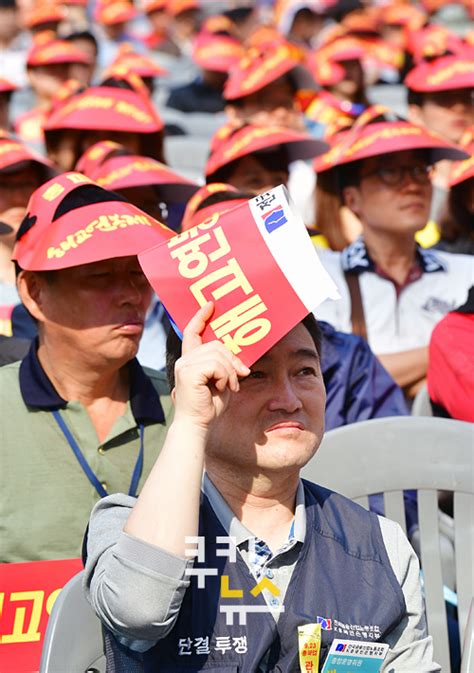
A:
(27, 595)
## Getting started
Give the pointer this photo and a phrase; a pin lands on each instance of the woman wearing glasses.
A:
(393, 291)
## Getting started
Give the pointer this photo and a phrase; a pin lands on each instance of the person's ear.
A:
(415, 115)
(173, 395)
(31, 287)
(352, 198)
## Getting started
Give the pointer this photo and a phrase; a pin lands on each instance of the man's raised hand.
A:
(206, 374)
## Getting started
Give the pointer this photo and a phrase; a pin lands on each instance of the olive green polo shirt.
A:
(45, 496)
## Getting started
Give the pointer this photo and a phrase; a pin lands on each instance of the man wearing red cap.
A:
(393, 292)
(21, 172)
(214, 55)
(440, 95)
(159, 38)
(80, 416)
(262, 88)
(49, 63)
(119, 110)
(258, 158)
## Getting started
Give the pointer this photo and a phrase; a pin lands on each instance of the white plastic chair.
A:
(390, 455)
(73, 640)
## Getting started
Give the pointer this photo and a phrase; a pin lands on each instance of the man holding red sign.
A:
(271, 553)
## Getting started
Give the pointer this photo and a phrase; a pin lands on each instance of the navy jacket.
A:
(357, 385)
(343, 579)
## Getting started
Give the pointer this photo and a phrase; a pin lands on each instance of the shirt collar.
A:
(236, 528)
(38, 391)
(356, 259)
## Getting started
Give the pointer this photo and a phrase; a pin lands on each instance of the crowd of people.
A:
(92, 96)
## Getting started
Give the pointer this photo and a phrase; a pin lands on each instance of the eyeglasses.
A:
(392, 176)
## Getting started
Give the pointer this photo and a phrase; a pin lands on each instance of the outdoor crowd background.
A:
(234, 98)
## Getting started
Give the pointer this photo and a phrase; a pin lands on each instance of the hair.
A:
(82, 35)
(238, 15)
(457, 222)
(174, 345)
(415, 98)
(329, 201)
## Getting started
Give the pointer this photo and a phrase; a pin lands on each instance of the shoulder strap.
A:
(357, 309)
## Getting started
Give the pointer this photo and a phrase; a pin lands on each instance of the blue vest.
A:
(343, 580)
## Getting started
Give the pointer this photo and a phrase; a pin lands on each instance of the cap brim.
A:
(386, 138)
(89, 234)
(299, 147)
(106, 108)
(124, 172)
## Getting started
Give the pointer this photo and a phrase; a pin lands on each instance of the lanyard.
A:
(137, 470)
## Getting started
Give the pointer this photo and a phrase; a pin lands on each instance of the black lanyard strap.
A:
(137, 470)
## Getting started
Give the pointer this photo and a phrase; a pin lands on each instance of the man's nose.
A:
(133, 289)
(409, 182)
(284, 396)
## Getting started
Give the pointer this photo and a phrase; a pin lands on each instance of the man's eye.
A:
(308, 371)
(100, 274)
(255, 374)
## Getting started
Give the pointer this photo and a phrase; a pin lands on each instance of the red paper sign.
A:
(255, 262)
(27, 595)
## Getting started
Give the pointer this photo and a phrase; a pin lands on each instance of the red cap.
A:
(46, 12)
(116, 11)
(136, 63)
(6, 86)
(371, 140)
(150, 6)
(95, 155)
(347, 48)
(323, 63)
(263, 35)
(194, 215)
(89, 233)
(464, 170)
(13, 152)
(106, 108)
(433, 41)
(328, 110)
(123, 172)
(407, 16)
(56, 51)
(176, 7)
(257, 69)
(199, 197)
(250, 139)
(447, 72)
(218, 23)
(221, 135)
(362, 20)
(216, 52)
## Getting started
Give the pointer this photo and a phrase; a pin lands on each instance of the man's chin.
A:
(291, 452)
